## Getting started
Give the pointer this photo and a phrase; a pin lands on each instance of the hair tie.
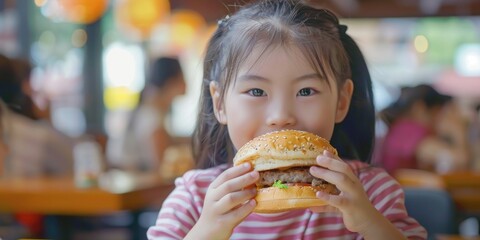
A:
(223, 22)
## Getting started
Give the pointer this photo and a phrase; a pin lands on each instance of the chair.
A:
(433, 209)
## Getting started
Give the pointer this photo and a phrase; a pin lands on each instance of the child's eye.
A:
(305, 92)
(256, 92)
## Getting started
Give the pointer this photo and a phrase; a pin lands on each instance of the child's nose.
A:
(281, 116)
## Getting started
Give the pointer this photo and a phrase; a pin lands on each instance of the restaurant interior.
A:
(86, 69)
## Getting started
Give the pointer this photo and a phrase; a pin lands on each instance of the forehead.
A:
(263, 56)
(287, 59)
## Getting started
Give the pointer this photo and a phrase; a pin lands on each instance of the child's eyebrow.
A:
(247, 77)
(309, 76)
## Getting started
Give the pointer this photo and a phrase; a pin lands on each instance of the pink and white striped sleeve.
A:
(388, 198)
(180, 211)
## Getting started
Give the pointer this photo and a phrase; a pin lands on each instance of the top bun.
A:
(283, 149)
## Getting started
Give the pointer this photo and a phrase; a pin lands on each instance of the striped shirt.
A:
(183, 207)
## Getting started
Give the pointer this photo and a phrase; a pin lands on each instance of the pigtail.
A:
(354, 136)
(211, 143)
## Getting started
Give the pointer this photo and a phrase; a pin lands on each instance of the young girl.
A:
(278, 64)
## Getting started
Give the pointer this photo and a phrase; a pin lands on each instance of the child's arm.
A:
(227, 203)
(359, 215)
(380, 228)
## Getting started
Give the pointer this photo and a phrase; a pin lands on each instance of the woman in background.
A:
(28, 148)
(146, 138)
(49, 151)
(425, 132)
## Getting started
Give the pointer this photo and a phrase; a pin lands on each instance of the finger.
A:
(242, 212)
(326, 208)
(340, 180)
(330, 161)
(231, 173)
(234, 199)
(236, 184)
(334, 163)
(336, 201)
(329, 154)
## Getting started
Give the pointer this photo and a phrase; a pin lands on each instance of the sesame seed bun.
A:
(285, 148)
(281, 151)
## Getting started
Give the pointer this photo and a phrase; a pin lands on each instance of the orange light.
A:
(141, 16)
(40, 3)
(83, 11)
(185, 24)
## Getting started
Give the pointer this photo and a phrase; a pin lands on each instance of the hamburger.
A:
(283, 159)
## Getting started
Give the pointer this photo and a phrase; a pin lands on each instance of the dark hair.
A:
(317, 33)
(1, 121)
(11, 89)
(162, 70)
(23, 68)
(354, 136)
(409, 96)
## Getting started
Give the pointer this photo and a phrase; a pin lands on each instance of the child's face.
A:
(280, 90)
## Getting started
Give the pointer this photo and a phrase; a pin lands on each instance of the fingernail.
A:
(253, 190)
(246, 165)
(315, 169)
(253, 174)
(319, 194)
(252, 202)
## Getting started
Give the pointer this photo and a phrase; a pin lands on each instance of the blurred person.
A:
(425, 131)
(28, 148)
(3, 147)
(472, 113)
(49, 152)
(146, 137)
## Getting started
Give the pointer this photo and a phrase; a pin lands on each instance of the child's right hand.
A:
(228, 200)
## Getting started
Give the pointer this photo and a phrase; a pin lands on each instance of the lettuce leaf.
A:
(279, 184)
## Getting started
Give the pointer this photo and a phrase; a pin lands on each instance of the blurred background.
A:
(91, 59)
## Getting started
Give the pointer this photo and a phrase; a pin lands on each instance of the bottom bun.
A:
(273, 199)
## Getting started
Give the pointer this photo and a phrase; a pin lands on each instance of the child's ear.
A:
(217, 103)
(344, 99)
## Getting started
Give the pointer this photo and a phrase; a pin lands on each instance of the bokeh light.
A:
(421, 44)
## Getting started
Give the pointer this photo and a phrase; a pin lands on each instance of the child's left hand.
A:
(352, 202)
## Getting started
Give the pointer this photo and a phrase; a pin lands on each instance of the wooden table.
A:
(117, 191)
(464, 186)
(455, 237)
(465, 189)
